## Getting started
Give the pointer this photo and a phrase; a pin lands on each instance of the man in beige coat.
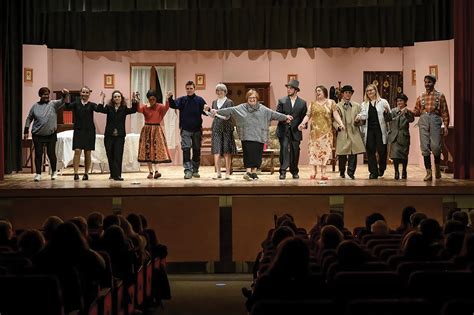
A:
(349, 138)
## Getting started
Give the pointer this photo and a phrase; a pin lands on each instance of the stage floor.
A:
(172, 183)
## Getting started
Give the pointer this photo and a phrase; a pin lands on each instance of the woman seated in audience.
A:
(137, 242)
(81, 224)
(94, 225)
(68, 249)
(329, 239)
(416, 219)
(30, 243)
(123, 261)
(50, 225)
(414, 247)
(452, 226)
(452, 246)
(109, 220)
(350, 257)
(288, 278)
(316, 229)
(462, 217)
(155, 248)
(431, 230)
(405, 224)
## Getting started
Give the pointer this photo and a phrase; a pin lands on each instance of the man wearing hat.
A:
(288, 134)
(399, 135)
(432, 109)
(349, 138)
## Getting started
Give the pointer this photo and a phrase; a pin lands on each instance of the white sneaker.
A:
(54, 175)
(37, 177)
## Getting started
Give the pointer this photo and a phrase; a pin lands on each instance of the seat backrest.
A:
(368, 237)
(439, 285)
(389, 307)
(15, 263)
(30, 294)
(404, 269)
(387, 241)
(458, 307)
(300, 307)
(372, 284)
(107, 280)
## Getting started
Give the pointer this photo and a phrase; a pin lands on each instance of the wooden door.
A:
(236, 91)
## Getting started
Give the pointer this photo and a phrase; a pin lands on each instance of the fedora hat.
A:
(347, 88)
(294, 84)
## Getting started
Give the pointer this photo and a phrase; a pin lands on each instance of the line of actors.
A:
(366, 127)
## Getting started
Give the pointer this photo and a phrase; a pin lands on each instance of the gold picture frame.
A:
(292, 76)
(200, 79)
(413, 77)
(433, 70)
(109, 81)
(28, 75)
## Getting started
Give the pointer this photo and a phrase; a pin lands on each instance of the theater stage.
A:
(225, 220)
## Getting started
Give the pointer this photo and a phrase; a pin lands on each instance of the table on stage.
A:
(65, 154)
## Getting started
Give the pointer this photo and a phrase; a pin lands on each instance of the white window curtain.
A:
(166, 77)
(140, 83)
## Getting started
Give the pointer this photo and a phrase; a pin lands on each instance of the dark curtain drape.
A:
(464, 89)
(130, 25)
(11, 37)
(389, 84)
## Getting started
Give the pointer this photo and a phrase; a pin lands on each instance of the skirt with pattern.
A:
(152, 146)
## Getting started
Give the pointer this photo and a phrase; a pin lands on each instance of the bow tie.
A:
(347, 105)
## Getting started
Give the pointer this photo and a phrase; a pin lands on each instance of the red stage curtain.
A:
(464, 89)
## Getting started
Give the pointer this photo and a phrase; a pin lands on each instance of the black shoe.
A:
(282, 176)
(404, 174)
(76, 177)
(248, 176)
(342, 175)
(373, 176)
(351, 176)
(296, 176)
(85, 177)
(381, 173)
(111, 177)
(397, 175)
(254, 176)
(118, 179)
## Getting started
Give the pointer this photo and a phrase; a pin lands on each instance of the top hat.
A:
(294, 84)
(347, 88)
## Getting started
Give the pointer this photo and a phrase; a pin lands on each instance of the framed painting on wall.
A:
(292, 76)
(109, 81)
(200, 81)
(28, 75)
(434, 71)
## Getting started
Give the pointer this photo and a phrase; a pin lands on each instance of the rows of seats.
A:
(99, 265)
(419, 268)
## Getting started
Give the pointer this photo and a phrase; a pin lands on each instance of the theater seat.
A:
(389, 307)
(297, 307)
(30, 294)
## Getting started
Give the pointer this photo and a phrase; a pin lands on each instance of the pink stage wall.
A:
(58, 68)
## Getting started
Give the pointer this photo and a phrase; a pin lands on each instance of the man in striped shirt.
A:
(432, 109)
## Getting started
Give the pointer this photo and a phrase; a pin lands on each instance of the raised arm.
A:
(174, 104)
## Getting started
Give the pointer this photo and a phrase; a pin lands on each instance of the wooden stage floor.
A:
(172, 184)
(227, 219)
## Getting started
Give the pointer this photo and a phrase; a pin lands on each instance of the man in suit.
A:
(288, 134)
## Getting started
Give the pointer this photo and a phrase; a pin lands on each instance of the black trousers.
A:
(375, 145)
(114, 149)
(50, 143)
(351, 166)
(289, 154)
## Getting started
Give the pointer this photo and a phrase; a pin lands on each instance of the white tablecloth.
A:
(65, 154)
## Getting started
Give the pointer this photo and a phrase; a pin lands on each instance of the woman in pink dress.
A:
(320, 115)
(152, 146)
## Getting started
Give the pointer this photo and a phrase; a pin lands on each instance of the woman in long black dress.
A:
(114, 136)
(84, 131)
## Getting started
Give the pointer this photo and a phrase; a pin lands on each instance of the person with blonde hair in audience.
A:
(375, 130)
(252, 120)
(379, 227)
(320, 115)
